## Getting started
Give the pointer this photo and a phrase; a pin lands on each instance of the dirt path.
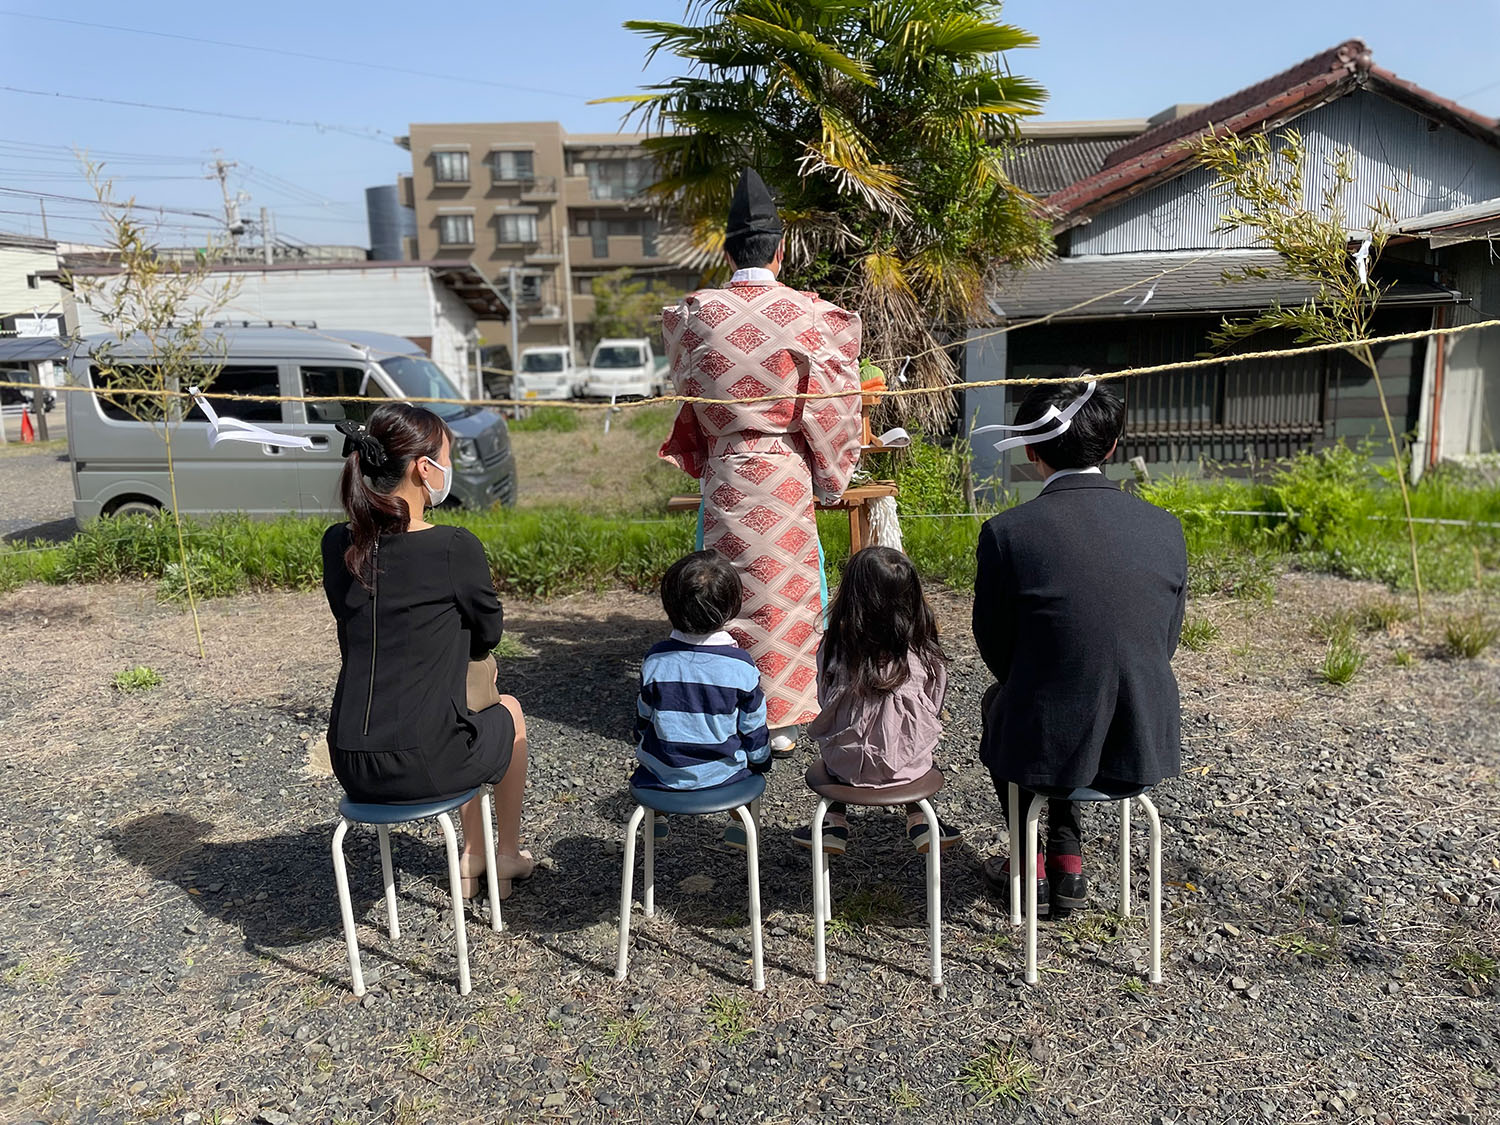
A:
(170, 949)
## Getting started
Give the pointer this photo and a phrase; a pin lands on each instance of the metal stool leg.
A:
(1125, 858)
(627, 878)
(346, 908)
(486, 809)
(1033, 815)
(821, 906)
(752, 851)
(934, 894)
(455, 888)
(388, 872)
(1155, 819)
(648, 881)
(1015, 855)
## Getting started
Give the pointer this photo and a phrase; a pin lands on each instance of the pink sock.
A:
(1066, 864)
(1041, 866)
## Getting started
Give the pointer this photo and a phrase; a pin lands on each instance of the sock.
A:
(1041, 866)
(1065, 864)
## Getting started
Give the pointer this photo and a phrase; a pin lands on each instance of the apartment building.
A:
(551, 209)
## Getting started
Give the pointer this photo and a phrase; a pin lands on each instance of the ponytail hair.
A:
(376, 459)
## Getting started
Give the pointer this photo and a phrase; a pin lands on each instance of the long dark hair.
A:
(877, 619)
(378, 456)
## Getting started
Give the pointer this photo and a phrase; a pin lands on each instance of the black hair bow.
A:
(359, 440)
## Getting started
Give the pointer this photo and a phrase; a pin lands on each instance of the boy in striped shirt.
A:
(701, 717)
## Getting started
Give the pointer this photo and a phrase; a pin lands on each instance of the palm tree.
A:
(881, 126)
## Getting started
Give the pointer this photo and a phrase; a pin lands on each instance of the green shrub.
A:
(547, 419)
(1341, 660)
(1382, 616)
(1467, 636)
(1198, 633)
(139, 678)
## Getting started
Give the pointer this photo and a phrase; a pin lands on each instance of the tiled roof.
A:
(1194, 285)
(1159, 153)
(1045, 166)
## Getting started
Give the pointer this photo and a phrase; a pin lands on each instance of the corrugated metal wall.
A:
(1431, 167)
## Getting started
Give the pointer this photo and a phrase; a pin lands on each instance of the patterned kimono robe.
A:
(762, 464)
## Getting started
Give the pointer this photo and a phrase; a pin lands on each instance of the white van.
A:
(623, 369)
(119, 464)
(548, 373)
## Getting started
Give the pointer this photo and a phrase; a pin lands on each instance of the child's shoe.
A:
(734, 834)
(835, 835)
(782, 746)
(920, 835)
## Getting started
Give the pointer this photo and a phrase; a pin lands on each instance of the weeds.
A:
(547, 419)
(1383, 616)
(1302, 943)
(629, 1031)
(1476, 966)
(139, 678)
(1133, 985)
(511, 648)
(1341, 660)
(1403, 658)
(904, 1097)
(729, 1018)
(1467, 636)
(999, 1074)
(421, 1050)
(865, 907)
(1198, 633)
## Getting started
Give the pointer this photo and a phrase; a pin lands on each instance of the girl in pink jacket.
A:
(881, 679)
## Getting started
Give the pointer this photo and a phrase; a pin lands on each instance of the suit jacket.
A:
(1078, 605)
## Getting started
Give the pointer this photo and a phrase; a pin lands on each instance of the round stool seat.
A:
(873, 796)
(401, 814)
(1099, 791)
(697, 802)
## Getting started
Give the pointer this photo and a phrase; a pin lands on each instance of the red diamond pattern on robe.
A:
(828, 417)
(748, 387)
(748, 292)
(779, 707)
(756, 471)
(800, 677)
(851, 351)
(790, 491)
(782, 312)
(835, 320)
(747, 337)
(766, 568)
(772, 663)
(670, 319)
(692, 387)
(691, 339)
(731, 546)
(811, 339)
(781, 412)
(799, 633)
(780, 364)
(761, 519)
(796, 588)
(714, 313)
(792, 540)
(715, 364)
(768, 617)
(727, 496)
(720, 416)
(742, 638)
(710, 523)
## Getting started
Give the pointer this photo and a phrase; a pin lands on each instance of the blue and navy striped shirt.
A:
(701, 717)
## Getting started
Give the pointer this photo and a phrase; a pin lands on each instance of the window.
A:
(127, 407)
(531, 288)
(363, 394)
(509, 165)
(244, 379)
(600, 231)
(33, 282)
(619, 179)
(418, 377)
(450, 167)
(648, 238)
(517, 228)
(455, 230)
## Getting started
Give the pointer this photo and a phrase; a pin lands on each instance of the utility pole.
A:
(265, 237)
(232, 221)
(42, 203)
(515, 326)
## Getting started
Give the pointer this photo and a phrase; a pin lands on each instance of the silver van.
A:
(119, 464)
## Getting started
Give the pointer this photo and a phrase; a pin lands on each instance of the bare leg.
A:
(509, 793)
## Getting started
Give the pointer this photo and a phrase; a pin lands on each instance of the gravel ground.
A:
(170, 947)
(36, 490)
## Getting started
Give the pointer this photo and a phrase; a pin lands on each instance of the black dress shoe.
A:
(1072, 892)
(996, 877)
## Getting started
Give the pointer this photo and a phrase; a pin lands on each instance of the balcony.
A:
(536, 189)
(622, 250)
(581, 194)
(544, 248)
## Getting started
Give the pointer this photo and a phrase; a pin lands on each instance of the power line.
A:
(111, 203)
(379, 136)
(298, 55)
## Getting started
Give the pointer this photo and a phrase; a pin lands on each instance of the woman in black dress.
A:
(415, 606)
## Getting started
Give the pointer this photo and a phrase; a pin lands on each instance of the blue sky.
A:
(514, 61)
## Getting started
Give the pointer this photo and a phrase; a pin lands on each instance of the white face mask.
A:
(439, 495)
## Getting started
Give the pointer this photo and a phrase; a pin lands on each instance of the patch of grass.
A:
(421, 1050)
(547, 419)
(1383, 616)
(511, 648)
(729, 1018)
(1467, 636)
(869, 905)
(999, 1074)
(1198, 633)
(139, 678)
(1403, 658)
(1341, 660)
(1339, 623)
(1476, 966)
(629, 1031)
(1134, 985)
(651, 421)
(904, 1097)
(514, 1000)
(1100, 929)
(1304, 943)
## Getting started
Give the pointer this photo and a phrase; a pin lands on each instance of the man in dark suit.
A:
(1078, 605)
